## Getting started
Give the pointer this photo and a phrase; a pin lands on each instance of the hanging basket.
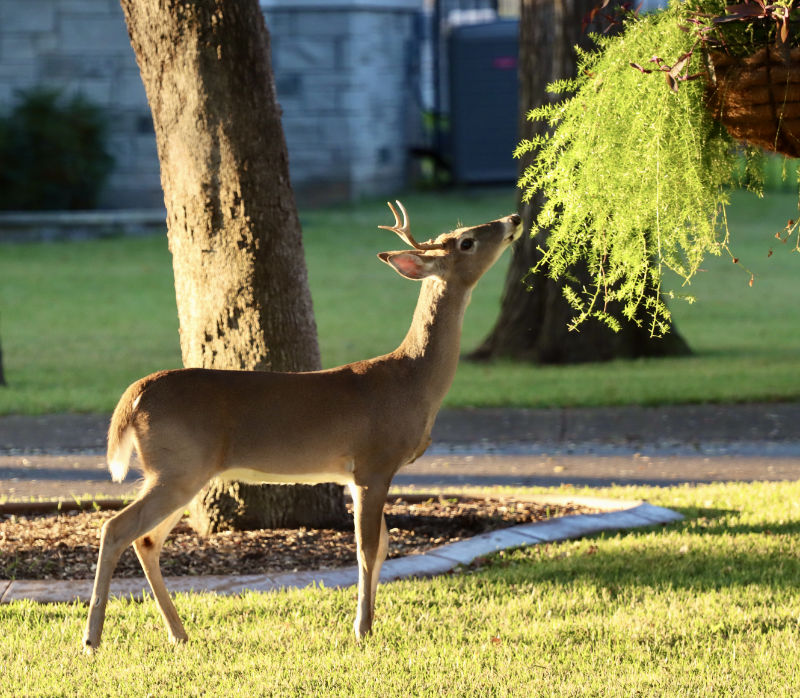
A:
(757, 98)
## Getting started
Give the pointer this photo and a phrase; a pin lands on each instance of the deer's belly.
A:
(340, 476)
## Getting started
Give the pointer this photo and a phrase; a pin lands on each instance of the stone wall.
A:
(345, 76)
(343, 70)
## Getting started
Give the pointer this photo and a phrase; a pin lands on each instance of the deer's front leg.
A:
(372, 540)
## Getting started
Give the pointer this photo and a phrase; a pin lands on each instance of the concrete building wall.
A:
(345, 80)
(342, 72)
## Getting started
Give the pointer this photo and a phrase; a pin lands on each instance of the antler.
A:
(404, 230)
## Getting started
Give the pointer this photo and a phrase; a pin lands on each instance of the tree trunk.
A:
(240, 278)
(532, 326)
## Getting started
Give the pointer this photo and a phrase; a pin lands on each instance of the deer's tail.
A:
(120, 434)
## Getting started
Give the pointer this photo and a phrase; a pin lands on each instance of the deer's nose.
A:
(515, 219)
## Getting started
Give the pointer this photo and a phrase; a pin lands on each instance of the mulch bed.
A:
(65, 545)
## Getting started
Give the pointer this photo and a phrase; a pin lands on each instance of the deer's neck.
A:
(434, 338)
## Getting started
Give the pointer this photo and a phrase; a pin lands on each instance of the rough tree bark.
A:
(532, 326)
(240, 278)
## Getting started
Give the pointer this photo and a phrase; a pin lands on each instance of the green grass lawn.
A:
(705, 607)
(79, 321)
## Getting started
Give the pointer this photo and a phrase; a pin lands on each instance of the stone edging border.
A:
(616, 515)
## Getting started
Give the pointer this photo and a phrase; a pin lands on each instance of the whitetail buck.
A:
(355, 425)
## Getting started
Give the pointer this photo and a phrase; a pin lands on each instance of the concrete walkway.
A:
(677, 426)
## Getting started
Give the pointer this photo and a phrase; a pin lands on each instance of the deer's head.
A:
(461, 256)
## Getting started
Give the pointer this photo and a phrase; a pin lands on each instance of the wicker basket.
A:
(757, 98)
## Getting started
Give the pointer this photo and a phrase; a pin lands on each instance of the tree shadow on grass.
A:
(708, 553)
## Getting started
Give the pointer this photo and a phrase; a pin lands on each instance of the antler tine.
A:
(404, 229)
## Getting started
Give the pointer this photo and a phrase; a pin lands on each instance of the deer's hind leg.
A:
(148, 550)
(157, 503)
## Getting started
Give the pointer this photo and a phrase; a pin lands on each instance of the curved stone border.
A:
(619, 515)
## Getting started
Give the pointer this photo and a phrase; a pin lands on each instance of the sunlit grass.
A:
(709, 606)
(79, 321)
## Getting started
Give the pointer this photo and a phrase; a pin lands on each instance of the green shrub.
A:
(53, 152)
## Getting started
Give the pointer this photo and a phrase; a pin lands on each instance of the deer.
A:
(355, 425)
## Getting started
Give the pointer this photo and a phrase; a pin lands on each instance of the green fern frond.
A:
(634, 175)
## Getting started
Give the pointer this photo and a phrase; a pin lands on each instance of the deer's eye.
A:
(466, 244)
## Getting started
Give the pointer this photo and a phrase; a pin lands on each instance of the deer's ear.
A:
(412, 265)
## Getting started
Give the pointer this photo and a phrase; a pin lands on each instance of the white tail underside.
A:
(119, 462)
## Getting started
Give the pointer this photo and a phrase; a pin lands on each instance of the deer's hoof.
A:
(362, 630)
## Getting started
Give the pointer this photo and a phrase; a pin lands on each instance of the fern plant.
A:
(635, 176)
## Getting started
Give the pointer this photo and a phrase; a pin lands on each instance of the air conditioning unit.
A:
(484, 101)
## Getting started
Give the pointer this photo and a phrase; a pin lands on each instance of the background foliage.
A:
(53, 152)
